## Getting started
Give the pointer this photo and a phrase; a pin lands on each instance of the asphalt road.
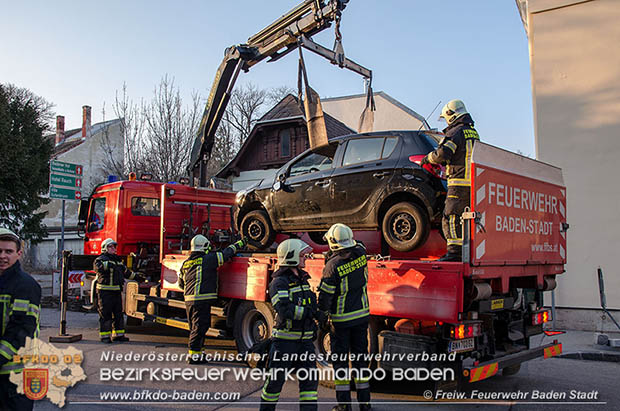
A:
(540, 385)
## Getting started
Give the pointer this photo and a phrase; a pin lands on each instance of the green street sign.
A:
(67, 168)
(65, 181)
(65, 193)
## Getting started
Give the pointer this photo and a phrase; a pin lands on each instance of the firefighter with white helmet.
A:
(198, 279)
(111, 274)
(295, 328)
(455, 152)
(343, 295)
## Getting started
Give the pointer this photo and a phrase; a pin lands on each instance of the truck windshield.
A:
(96, 215)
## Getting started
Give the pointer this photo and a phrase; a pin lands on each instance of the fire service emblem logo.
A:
(35, 383)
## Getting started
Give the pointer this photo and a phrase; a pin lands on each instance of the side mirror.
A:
(82, 213)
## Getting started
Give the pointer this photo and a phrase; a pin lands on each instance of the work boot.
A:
(450, 257)
(106, 340)
(120, 338)
(342, 407)
(365, 407)
(197, 359)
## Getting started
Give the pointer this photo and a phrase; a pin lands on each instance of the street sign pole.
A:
(62, 336)
(62, 228)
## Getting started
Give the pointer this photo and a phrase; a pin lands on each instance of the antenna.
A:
(438, 103)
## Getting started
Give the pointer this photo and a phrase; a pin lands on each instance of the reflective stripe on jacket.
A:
(343, 289)
(198, 274)
(294, 303)
(111, 272)
(20, 305)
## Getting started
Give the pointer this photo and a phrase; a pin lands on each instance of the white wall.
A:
(575, 63)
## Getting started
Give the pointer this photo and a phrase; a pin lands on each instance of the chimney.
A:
(60, 129)
(86, 121)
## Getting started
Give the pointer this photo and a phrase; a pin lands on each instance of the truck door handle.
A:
(381, 174)
(323, 183)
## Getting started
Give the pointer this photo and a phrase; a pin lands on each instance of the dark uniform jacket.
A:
(295, 305)
(111, 272)
(343, 291)
(198, 274)
(20, 300)
(455, 151)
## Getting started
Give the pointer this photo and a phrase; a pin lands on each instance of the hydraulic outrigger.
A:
(286, 34)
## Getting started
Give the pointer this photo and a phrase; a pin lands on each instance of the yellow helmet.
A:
(200, 243)
(453, 110)
(339, 237)
(106, 243)
(289, 251)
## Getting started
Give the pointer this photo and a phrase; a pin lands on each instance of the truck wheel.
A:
(254, 322)
(405, 227)
(512, 370)
(257, 227)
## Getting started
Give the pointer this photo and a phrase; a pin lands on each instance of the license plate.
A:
(461, 345)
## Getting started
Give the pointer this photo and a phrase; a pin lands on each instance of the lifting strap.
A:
(367, 118)
(315, 121)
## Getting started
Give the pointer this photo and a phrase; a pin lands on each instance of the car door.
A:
(367, 166)
(300, 199)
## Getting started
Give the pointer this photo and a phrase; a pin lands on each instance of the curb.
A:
(592, 356)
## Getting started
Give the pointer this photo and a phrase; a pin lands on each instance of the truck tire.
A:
(254, 322)
(512, 370)
(257, 227)
(405, 226)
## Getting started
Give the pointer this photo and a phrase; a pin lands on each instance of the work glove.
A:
(242, 243)
(322, 318)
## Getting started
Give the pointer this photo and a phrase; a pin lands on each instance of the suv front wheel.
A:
(257, 227)
(405, 227)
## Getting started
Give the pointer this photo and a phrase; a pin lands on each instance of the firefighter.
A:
(20, 300)
(455, 151)
(295, 328)
(343, 295)
(111, 273)
(198, 279)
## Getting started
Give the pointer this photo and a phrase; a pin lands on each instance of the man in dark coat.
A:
(295, 328)
(20, 301)
(111, 274)
(198, 279)
(343, 295)
(455, 152)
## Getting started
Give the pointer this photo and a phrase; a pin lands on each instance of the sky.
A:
(421, 52)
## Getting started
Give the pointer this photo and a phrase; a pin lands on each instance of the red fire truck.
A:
(485, 308)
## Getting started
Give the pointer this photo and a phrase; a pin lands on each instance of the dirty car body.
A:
(359, 180)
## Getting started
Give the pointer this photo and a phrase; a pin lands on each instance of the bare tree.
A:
(132, 138)
(171, 130)
(246, 106)
(156, 136)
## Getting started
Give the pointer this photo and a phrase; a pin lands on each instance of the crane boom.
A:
(286, 34)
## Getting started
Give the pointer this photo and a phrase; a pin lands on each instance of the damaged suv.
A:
(369, 181)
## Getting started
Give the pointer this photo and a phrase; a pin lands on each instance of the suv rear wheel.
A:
(405, 226)
(257, 227)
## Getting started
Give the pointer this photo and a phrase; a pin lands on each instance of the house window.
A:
(285, 143)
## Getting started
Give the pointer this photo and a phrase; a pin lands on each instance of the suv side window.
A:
(362, 150)
(311, 163)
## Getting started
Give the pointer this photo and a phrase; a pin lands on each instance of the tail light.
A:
(541, 317)
(434, 169)
(465, 330)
